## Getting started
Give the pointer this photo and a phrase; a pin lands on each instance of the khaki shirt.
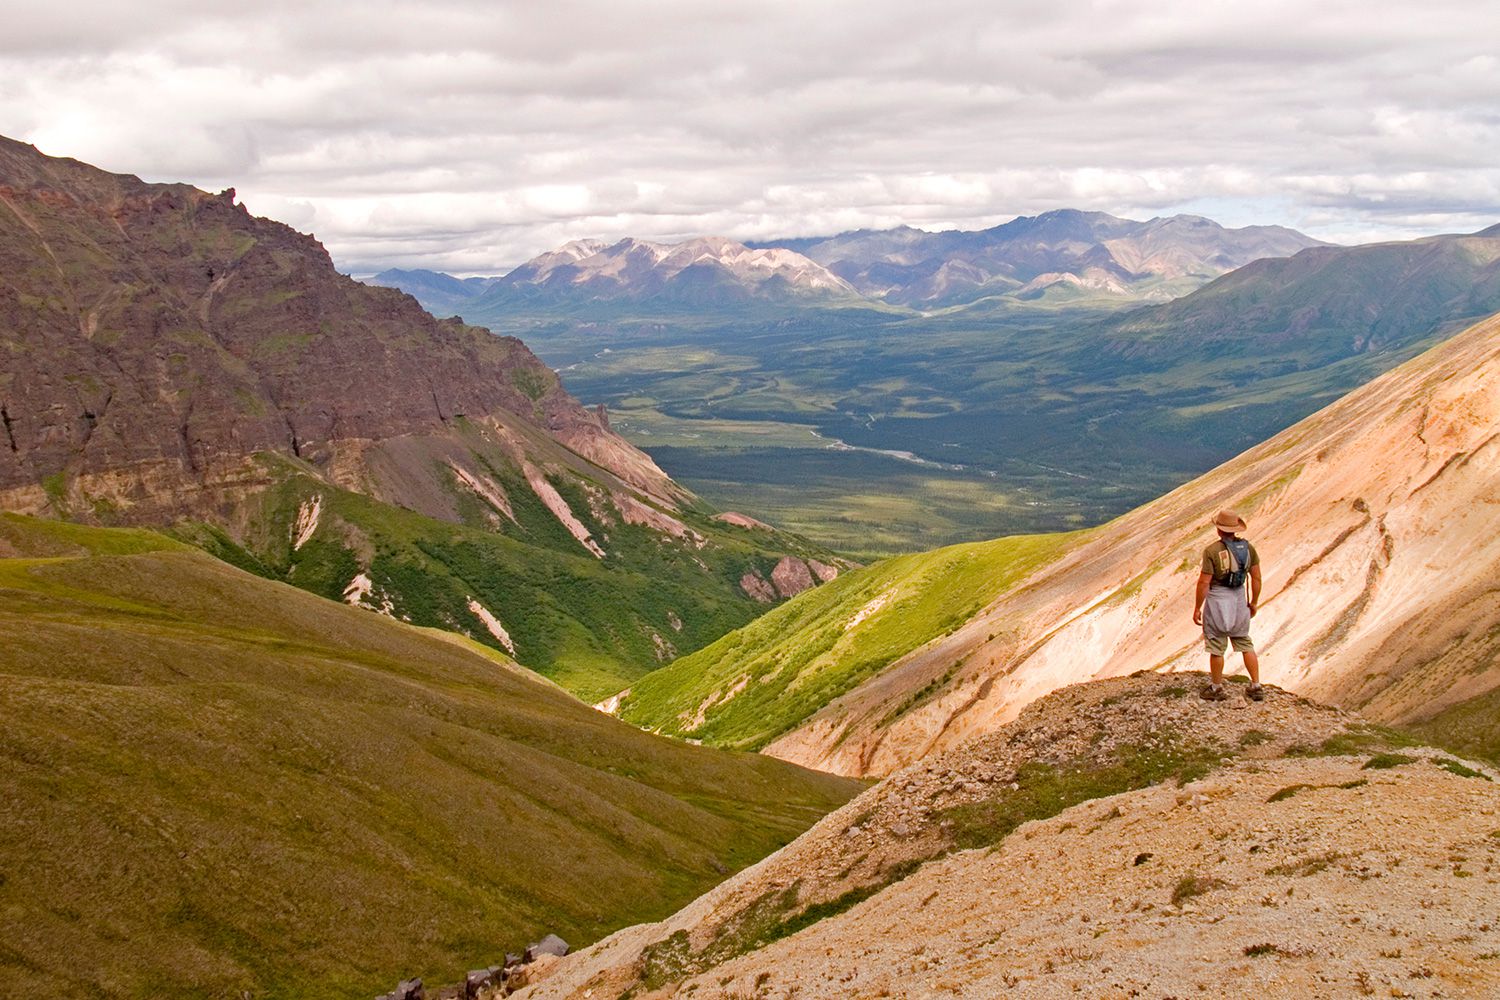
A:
(1216, 562)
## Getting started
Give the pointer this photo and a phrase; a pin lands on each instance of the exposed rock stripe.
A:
(489, 491)
(309, 515)
(560, 509)
(492, 624)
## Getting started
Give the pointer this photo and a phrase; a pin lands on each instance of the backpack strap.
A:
(1240, 569)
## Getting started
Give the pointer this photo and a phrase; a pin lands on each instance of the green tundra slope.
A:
(217, 784)
(1471, 727)
(590, 624)
(809, 651)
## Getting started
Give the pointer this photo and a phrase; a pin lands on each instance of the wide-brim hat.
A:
(1228, 520)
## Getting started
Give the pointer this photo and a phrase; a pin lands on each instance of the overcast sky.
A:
(468, 136)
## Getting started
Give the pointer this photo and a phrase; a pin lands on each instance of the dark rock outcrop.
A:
(549, 945)
(480, 979)
(407, 989)
(792, 576)
(154, 337)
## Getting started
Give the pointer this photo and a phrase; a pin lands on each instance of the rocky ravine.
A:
(1304, 853)
(1379, 525)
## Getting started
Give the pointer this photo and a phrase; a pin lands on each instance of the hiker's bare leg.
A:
(1252, 665)
(1216, 668)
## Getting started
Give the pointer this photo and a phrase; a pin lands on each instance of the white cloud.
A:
(468, 135)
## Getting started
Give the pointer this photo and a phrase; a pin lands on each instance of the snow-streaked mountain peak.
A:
(640, 267)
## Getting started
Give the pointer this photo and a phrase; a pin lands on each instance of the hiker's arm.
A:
(1204, 579)
(1254, 589)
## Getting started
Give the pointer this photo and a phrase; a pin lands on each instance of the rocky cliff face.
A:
(156, 335)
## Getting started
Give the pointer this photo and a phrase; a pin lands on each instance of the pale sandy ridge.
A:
(1334, 892)
(1379, 522)
(1392, 871)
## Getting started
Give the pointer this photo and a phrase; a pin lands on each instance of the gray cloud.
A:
(468, 136)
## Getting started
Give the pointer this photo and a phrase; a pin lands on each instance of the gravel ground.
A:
(1381, 888)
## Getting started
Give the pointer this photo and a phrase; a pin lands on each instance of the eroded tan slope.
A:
(1378, 519)
(1342, 862)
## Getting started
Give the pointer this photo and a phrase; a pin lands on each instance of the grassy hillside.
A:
(216, 783)
(763, 680)
(1324, 303)
(1471, 726)
(592, 625)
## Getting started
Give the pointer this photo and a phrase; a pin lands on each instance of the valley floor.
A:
(876, 434)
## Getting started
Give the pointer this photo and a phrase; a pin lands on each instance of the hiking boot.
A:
(1215, 692)
(1255, 692)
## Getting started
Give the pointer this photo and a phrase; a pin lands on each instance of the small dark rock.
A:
(549, 945)
(1143, 857)
(476, 980)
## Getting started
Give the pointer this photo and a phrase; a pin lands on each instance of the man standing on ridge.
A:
(1221, 605)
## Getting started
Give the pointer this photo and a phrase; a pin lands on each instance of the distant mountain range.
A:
(1064, 256)
(706, 272)
(1081, 413)
(1065, 253)
(440, 294)
(711, 269)
(1336, 301)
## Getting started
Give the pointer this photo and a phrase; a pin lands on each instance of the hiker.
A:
(1222, 606)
